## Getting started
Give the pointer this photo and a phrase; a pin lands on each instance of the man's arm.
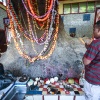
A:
(91, 52)
(86, 61)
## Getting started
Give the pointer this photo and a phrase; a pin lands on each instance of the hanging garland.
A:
(38, 24)
(22, 29)
(50, 35)
(32, 12)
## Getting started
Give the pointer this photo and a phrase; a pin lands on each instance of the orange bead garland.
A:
(39, 19)
(23, 54)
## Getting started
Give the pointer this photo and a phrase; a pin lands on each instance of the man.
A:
(91, 61)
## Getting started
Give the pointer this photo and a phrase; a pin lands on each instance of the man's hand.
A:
(83, 71)
(87, 45)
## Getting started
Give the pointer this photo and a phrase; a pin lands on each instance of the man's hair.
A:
(97, 23)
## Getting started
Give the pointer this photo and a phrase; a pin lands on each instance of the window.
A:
(86, 17)
(82, 7)
(74, 8)
(97, 4)
(66, 8)
(72, 32)
(3, 1)
(90, 7)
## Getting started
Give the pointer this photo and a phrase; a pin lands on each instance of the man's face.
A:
(96, 32)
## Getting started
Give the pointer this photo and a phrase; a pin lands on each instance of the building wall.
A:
(66, 58)
(83, 27)
(3, 14)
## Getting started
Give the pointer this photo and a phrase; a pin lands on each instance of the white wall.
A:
(76, 21)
